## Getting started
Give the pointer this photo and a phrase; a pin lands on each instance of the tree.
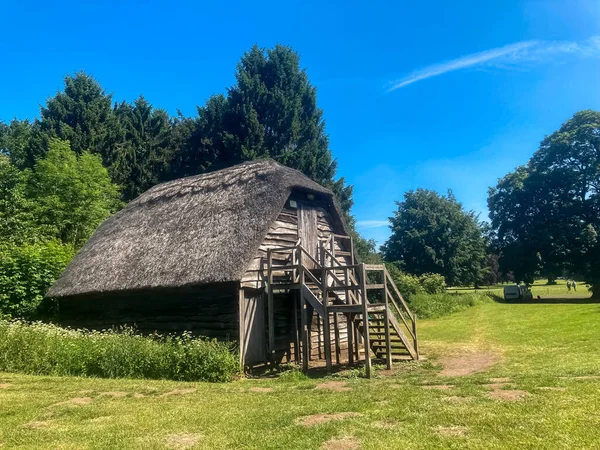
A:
(271, 111)
(142, 154)
(72, 194)
(81, 114)
(16, 141)
(552, 214)
(432, 233)
(16, 218)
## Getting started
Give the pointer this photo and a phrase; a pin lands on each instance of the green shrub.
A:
(26, 273)
(433, 283)
(43, 349)
(430, 306)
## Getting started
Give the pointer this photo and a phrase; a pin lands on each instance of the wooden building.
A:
(257, 253)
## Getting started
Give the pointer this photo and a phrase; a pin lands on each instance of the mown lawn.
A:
(539, 287)
(538, 387)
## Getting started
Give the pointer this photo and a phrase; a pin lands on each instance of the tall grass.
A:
(44, 349)
(431, 306)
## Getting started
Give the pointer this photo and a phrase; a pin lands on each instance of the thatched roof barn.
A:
(189, 254)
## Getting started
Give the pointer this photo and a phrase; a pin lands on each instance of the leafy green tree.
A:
(72, 194)
(432, 233)
(547, 213)
(17, 142)
(142, 154)
(16, 219)
(27, 271)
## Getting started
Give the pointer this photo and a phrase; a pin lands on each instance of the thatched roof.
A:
(195, 230)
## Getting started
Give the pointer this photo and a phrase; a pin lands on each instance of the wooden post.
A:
(386, 315)
(270, 308)
(242, 327)
(365, 311)
(297, 330)
(336, 330)
(350, 321)
(326, 319)
(414, 328)
(303, 316)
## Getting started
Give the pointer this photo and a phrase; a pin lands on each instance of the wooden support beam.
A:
(388, 344)
(336, 329)
(270, 308)
(305, 334)
(242, 327)
(297, 328)
(350, 331)
(367, 344)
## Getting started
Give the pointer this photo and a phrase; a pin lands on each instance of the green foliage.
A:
(15, 142)
(72, 194)
(545, 214)
(141, 155)
(81, 114)
(44, 349)
(432, 233)
(431, 306)
(26, 273)
(411, 285)
(15, 208)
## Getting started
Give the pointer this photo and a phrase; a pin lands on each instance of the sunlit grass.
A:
(540, 348)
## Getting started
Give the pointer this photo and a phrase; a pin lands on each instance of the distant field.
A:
(497, 376)
(540, 288)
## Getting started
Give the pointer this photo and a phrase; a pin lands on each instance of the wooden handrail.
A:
(302, 249)
(408, 327)
(395, 290)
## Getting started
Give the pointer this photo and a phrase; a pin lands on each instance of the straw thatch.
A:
(195, 230)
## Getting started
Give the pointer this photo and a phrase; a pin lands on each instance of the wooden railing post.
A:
(386, 313)
(414, 327)
(270, 308)
(365, 311)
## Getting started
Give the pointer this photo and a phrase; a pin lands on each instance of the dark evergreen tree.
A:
(142, 151)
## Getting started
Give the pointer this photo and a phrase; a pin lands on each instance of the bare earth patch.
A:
(178, 392)
(509, 395)
(452, 431)
(116, 394)
(319, 419)
(457, 366)
(138, 395)
(552, 388)
(440, 387)
(337, 386)
(4, 385)
(342, 443)
(183, 440)
(260, 389)
(77, 401)
(500, 380)
(37, 424)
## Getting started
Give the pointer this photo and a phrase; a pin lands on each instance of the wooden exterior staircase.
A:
(333, 285)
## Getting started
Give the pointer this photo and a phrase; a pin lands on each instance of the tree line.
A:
(544, 219)
(87, 155)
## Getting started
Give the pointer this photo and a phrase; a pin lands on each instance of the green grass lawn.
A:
(538, 387)
(558, 290)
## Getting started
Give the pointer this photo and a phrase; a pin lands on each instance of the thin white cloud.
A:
(367, 224)
(509, 55)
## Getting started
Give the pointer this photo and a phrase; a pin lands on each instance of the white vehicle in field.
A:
(517, 292)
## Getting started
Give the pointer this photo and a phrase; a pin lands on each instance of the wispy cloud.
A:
(367, 224)
(505, 57)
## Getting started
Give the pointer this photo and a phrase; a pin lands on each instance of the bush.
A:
(431, 306)
(44, 349)
(26, 273)
(433, 283)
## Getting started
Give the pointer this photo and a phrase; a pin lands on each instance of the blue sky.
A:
(434, 94)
